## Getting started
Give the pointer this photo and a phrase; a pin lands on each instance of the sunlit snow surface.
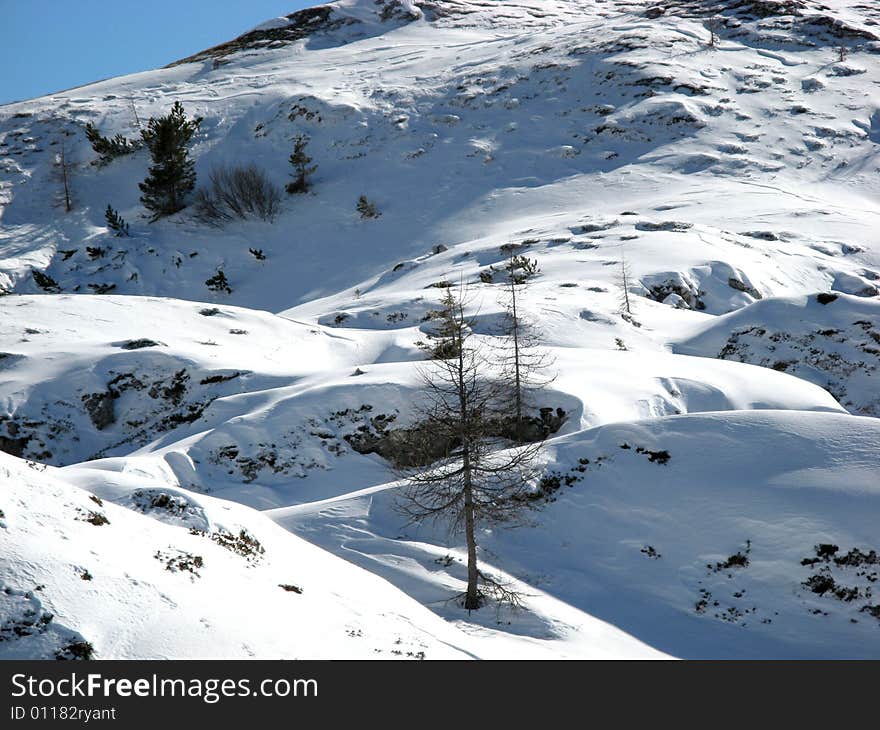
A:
(739, 183)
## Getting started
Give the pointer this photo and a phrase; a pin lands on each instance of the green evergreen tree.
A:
(301, 166)
(172, 175)
(441, 344)
(115, 222)
(219, 283)
(109, 148)
(367, 208)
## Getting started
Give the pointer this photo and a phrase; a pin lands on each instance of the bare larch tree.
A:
(713, 25)
(135, 117)
(62, 171)
(524, 362)
(477, 481)
(624, 279)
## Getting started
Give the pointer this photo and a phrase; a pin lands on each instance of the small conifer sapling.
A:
(115, 222)
(302, 167)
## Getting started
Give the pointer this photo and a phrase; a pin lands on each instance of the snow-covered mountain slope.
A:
(463, 133)
(688, 532)
(175, 577)
(170, 574)
(831, 340)
(85, 375)
(740, 184)
(92, 382)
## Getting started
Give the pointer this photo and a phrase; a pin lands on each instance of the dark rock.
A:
(302, 24)
(421, 445)
(659, 292)
(745, 288)
(138, 344)
(100, 409)
(14, 446)
(664, 226)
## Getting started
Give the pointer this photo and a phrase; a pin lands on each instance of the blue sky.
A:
(52, 45)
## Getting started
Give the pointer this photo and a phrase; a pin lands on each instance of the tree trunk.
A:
(137, 119)
(472, 597)
(174, 207)
(516, 372)
(64, 179)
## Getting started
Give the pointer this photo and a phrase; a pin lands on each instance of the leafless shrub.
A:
(713, 25)
(243, 191)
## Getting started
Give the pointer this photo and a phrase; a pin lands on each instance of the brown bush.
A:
(237, 192)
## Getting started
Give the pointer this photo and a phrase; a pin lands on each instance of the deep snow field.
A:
(181, 477)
